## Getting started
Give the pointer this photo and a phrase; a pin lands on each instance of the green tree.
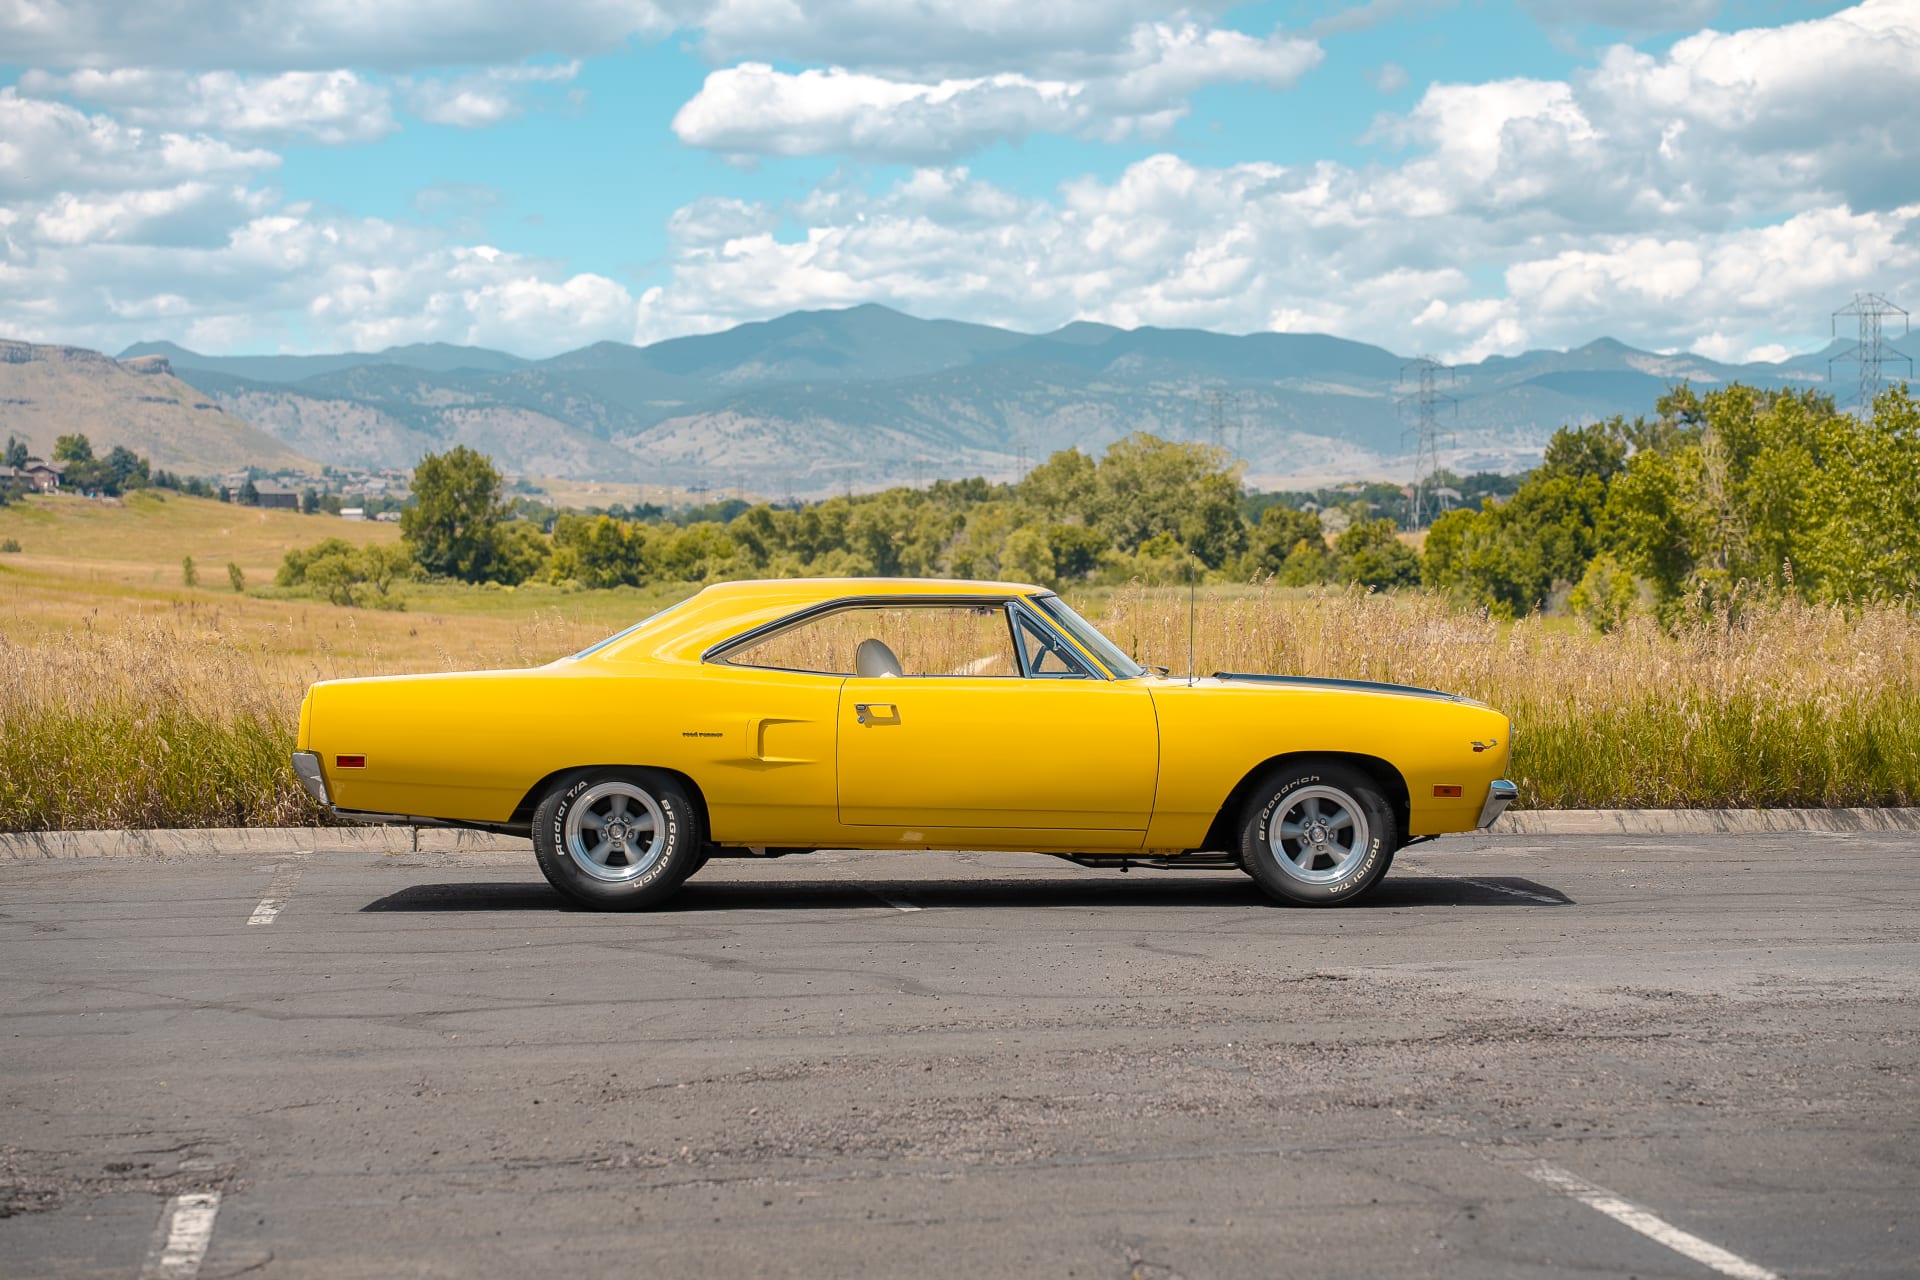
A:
(249, 495)
(73, 448)
(457, 509)
(16, 456)
(236, 578)
(189, 576)
(344, 574)
(1147, 487)
(1370, 553)
(1281, 532)
(1026, 556)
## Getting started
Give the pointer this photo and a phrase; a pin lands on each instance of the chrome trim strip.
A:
(306, 767)
(1499, 795)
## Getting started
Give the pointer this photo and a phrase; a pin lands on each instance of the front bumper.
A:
(306, 767)
(1499, 795)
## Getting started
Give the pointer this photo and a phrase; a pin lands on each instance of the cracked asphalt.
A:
(896, 1064)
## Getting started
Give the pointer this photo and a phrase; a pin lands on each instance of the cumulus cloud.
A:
(50, 146)
(1255, 247)
(330, 107)
(319, 34)
(754, 109)
(292, 275)
(484, 98)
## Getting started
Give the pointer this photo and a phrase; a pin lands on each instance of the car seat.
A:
(873, 659)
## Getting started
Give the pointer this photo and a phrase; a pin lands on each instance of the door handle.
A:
(876, 713)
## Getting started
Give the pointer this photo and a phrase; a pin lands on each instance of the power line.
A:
(1420, 393)
(1870, 351)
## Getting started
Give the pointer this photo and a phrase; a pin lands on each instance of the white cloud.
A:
(754, 109)
(49, 146)
(330, 107)
(484, 98)
(320, 34)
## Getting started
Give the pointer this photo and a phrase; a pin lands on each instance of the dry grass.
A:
(133, 707)
(1786, 704)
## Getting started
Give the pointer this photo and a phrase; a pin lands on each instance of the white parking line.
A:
(898, 904)
(1659, 1230)
(186, 1229)
(279, 889)
(1426, 869)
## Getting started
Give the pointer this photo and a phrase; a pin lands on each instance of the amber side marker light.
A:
(360, 762)
(1450, 792)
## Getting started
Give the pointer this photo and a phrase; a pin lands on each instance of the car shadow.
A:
(1146, 889)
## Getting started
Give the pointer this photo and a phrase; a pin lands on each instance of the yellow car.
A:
(764, 718)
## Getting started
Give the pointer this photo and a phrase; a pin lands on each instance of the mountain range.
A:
(819, 401)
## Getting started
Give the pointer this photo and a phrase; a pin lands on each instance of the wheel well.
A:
(523, 812)
(1224, 833)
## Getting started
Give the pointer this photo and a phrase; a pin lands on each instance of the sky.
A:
(1458, 179)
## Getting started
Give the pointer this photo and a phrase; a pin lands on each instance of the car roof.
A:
(726, 609)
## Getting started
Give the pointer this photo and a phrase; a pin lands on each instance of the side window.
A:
(937, 640)
(1047, 656)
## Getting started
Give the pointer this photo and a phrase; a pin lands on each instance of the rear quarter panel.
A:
(1213, 735)
(468, 746)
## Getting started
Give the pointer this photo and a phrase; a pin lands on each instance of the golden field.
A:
(132, 700)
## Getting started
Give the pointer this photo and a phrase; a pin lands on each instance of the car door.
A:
(1047, 746)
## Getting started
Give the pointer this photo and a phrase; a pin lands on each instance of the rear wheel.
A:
(1317, 834)
(617, 841)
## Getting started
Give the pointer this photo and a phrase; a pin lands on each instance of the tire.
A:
(1336, 834)
(588, 834)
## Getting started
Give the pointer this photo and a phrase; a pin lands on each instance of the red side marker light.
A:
(1450, 792)
(360, 762)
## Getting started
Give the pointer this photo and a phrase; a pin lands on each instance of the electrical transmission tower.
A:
(1220, 406)
(1421, 397)
(1870, 352)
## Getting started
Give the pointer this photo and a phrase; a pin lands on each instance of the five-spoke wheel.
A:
(1317, 833)
(617, 839)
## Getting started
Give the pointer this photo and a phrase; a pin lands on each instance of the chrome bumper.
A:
(1499, 796)
(306, 767)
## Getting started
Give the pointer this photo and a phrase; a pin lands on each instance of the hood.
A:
(1327, 682)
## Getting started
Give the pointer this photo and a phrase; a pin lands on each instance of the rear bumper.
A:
(306, 767)
(1499, 795)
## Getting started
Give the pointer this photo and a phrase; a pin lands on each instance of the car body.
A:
(1056, 743)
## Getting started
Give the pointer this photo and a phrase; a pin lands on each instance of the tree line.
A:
(1770, 490)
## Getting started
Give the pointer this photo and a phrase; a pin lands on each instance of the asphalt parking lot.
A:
(1524, 1056)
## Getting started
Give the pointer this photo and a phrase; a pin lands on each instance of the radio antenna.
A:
(1193, 597)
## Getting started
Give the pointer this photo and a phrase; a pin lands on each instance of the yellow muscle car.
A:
(764, 718)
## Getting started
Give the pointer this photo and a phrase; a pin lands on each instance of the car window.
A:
(905, 641)
(1048, 657)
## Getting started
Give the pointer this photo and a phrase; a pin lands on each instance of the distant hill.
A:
(50, 391)
(820, 400)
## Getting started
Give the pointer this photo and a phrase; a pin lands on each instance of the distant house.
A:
(274, 494)
(353, 513)
(41, 477)
(388, 517)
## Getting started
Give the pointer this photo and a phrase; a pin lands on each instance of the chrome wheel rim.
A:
(616, 832)
(1318, 834)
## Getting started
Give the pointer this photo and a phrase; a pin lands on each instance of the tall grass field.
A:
(132, 700)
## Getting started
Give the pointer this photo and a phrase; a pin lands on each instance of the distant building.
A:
(41, 477)
(274, 494)
(388, 517)
(353, 513)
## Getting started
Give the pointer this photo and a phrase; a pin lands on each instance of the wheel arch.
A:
(1224, 833)
(523, 812)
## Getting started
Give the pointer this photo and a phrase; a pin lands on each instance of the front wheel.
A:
(617, 841)
(1317, 834)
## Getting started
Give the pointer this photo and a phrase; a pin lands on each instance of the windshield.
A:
(1111, 656)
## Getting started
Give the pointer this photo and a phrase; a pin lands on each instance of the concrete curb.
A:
(38, 846)
(1694, 822)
